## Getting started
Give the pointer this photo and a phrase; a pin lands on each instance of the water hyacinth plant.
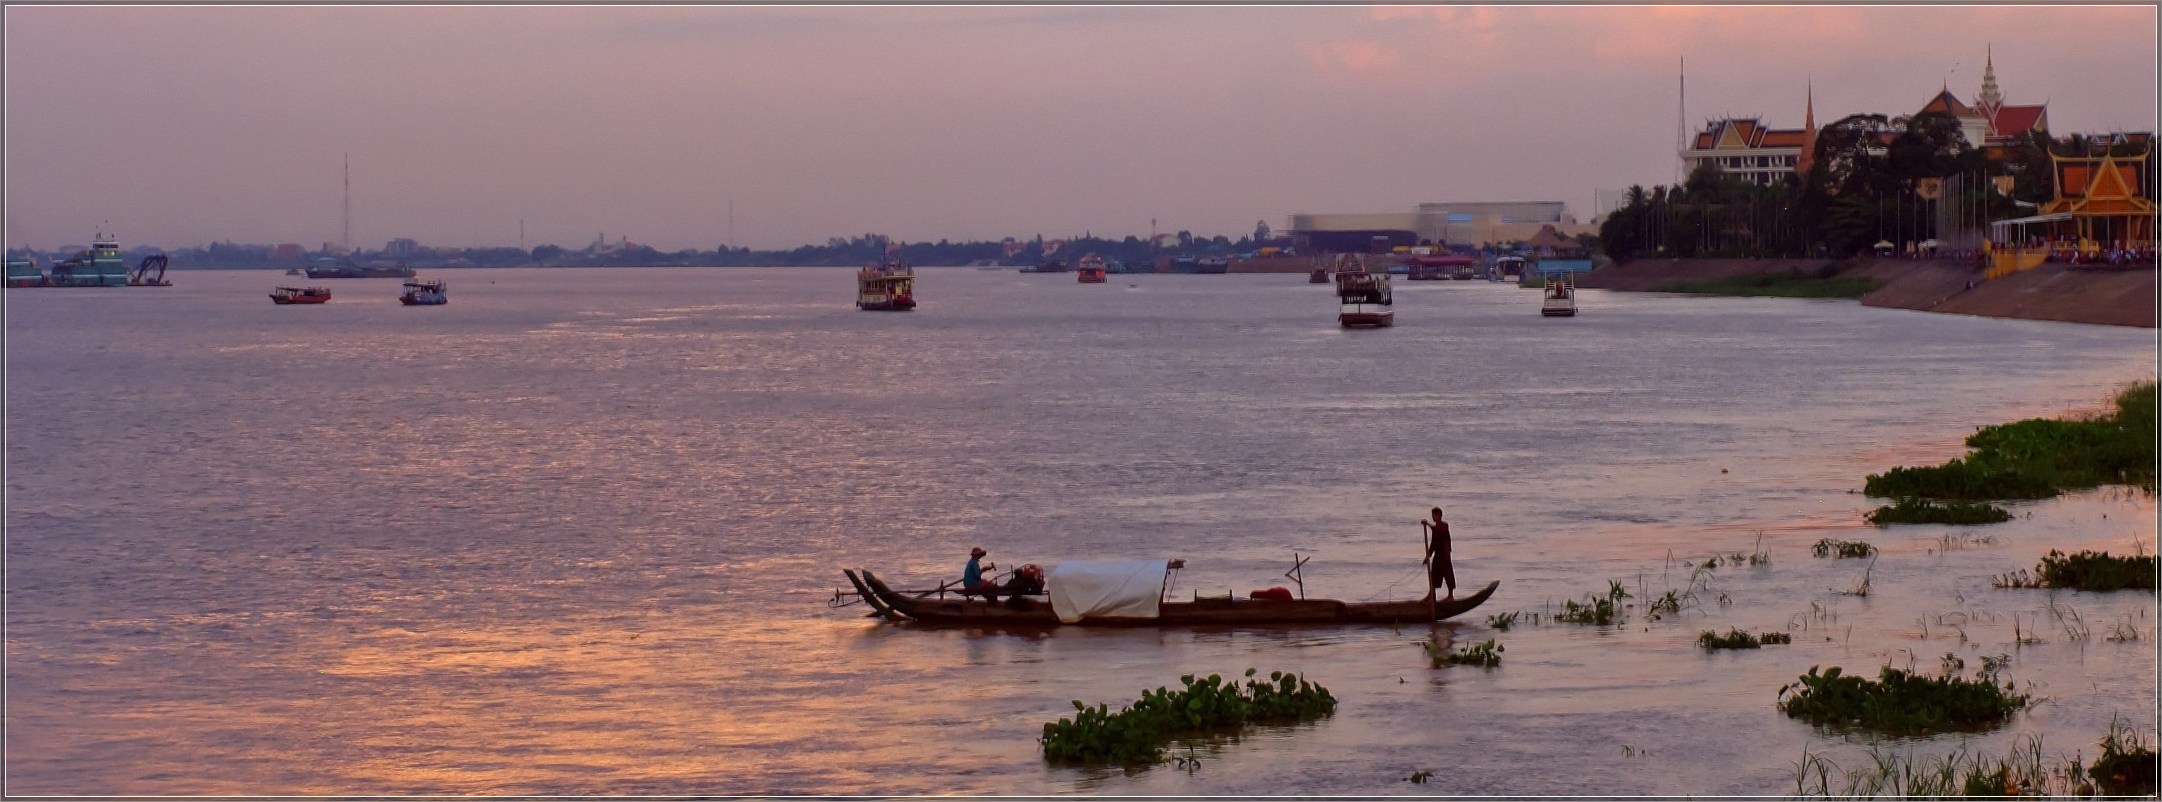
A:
(1140, 732)
(2088, 570)
(1842, 548)
(1925, 511)
(1900, 702)
(2039, 458)
(1484, 654)
(1737, 639)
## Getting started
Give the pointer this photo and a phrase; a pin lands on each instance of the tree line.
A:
(1872, 179)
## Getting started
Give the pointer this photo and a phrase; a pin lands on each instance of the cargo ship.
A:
(331, 267)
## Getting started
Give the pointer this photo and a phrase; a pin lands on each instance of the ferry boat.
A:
(424, 293)
(1440, 266)
(1559, 297)
(1364, 297)
(300, 295)
(1046, 266)
(1213, 265)
(1091, 270)
(890, 287)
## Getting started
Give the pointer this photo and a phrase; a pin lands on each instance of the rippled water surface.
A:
(576, 532)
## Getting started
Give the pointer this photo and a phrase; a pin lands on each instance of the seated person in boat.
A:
(973, 582)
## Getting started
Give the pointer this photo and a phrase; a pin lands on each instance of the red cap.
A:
(977, 552)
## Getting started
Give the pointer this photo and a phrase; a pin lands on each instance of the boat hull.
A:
(1036, 611)
(1367, 320)
(897, 305)
(436, 300)
(1558, 312)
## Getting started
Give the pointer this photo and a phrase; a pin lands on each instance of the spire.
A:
(1989, 97)
(1809, 131)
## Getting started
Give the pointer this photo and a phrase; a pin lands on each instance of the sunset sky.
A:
(181, 125)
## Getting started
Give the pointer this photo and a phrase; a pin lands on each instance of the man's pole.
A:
(1426, 543)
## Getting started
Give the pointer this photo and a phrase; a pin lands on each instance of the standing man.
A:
(1439, 571)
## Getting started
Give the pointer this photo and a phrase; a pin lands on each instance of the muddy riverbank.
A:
(2051, 292)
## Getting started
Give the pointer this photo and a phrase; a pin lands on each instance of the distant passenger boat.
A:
(331, 267)
(1510, 266)
(1092, 270)
(1445, 266)
(890, 287)
(1213, 265)
(424, 293)
(300, 295)
(1047, 266)
(1364, 296)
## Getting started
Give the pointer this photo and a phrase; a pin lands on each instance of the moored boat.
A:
(332, 267)
(1055, 610)
(890, 287)
(1319, 276)
(1364, 297)
(424, 293)
(300, 295)
(1091, 270)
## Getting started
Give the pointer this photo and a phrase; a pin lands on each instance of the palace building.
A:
(1762, 155)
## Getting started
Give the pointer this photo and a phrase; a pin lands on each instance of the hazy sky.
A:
(181, 125)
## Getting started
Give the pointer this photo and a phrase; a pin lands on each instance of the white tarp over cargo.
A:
(1106, 589)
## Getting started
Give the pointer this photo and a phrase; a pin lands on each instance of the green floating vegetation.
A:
(1842, 548)
(2040, 457)
(1925, 511)
(1485, 654)
(1737, 639)
(1777, 285)
(1600, 610)
(1140, 732)
(1901, 702)
(2088, 570)
(1502, 623)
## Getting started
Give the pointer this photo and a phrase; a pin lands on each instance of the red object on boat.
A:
(1271, 594)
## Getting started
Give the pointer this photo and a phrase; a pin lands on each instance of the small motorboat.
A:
(300, 295)
(1559, 297)
(424, 293)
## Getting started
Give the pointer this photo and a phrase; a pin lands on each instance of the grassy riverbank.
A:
(1777, 286)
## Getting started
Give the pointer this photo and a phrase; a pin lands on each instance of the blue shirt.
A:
(973, 575)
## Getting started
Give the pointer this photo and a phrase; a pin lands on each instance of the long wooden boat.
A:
(1029, 611)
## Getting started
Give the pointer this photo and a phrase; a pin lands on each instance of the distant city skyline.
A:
(679, 127)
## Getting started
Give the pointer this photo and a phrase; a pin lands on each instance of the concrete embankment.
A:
(2120, 297)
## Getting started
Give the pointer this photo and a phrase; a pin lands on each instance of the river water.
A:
(576, 532)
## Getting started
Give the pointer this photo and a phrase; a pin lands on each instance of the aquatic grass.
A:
(1900, 702)
(1737, 639)
(1842, 548)
(2097, 571)
(2127, 764)
(1925, 511)
(1140, 732)
(1503, 622)
(1486, 654)
(2040, 457)
(1895, 774)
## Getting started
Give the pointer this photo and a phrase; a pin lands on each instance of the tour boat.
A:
(1091, 270)
(1116, 594)
(1510, 266)
(1364, 297)
(1559, 296)
(424, 293)
(300, 295)
(890, 287)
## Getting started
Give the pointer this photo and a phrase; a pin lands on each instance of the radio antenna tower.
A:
(346, 240)
(1681, 120)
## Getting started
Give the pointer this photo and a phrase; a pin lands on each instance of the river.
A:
(576, 531)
